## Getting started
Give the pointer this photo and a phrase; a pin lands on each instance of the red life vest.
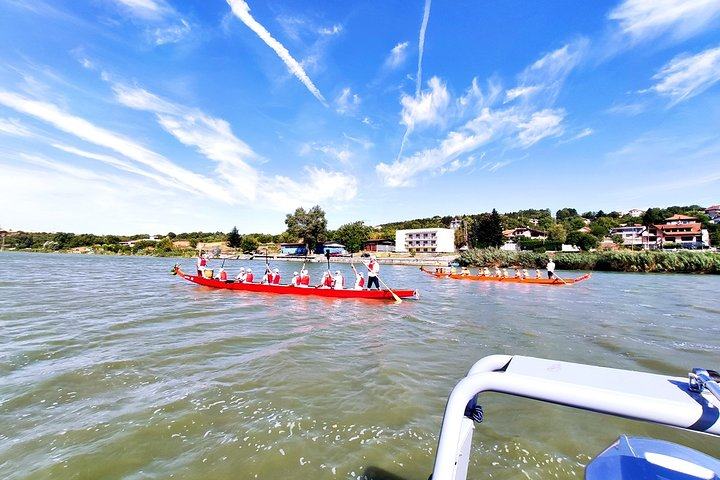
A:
(328, 281)
(275, 279)
(361, 283)
(249, 277)
(305, 280)
(223, 275)
(203, 262)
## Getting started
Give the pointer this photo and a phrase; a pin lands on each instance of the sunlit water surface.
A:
(111, 368)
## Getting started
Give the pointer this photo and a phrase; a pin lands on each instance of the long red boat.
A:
(290, 290)
(534, 281)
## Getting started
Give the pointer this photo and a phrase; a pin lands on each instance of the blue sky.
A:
(150, 116)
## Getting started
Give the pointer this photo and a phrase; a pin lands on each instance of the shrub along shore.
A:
(612, 261)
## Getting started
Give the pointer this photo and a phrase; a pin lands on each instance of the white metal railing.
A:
(675, 401)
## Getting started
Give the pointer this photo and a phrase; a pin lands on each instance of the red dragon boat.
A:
(385, 294)
(535, 281)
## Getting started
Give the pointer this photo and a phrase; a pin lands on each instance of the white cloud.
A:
(475, 133)
(91, 133)
(543, 80)
(172, 33)
(686, 76)
(147, 9)
(347, 102)
(426, 108)
(643, 20)
(169, 27)
(517, 92)
(543, 124)
(242, 11)
(397, 56)
(329, 31)
(320, 186)
(586, 132)
(519, 124)
(11, 126)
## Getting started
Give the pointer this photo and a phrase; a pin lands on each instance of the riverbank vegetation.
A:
(688, 261)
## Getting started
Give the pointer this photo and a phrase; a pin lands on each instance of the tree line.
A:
(309, 227)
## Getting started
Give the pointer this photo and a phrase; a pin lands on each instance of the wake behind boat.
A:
(287, 289)
(490, 278)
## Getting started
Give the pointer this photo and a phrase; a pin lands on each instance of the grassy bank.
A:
(623, 261)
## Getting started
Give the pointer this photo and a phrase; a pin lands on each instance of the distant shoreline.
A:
(690, 262)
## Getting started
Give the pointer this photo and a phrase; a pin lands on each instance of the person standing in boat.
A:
(550, 268)
(201, 263)
(373, 271)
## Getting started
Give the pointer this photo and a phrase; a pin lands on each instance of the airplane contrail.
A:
(418, 79)
(242, 10)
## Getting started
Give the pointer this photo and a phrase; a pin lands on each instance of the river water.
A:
(111, 368)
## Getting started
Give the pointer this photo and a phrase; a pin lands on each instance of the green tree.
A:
(654, 216)
(249, 244)
(63, 240)
(233, 238)
(165, 245)
(310, 226)
(557, 233)
(566, 214)
(352, 235)
(487, 231)
(583, 241)
(21, 240)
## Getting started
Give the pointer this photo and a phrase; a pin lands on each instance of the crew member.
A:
(359, 281)
(223, 275)
(201, 264)
(295, 282)
(550, 268)
(338, 282)
(249, 277)
(242, 276)
(304, 278)
(373, 271)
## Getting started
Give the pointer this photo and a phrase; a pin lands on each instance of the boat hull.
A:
(535, 281)
(297, 291)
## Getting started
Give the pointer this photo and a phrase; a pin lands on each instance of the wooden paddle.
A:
(558, 276)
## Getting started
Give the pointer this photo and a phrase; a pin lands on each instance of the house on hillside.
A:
(679, 229)
(714, 213)
(526, 232)
(632, 235)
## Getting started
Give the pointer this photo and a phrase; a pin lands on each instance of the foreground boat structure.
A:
(298, 291)
(534, 281)
(687, 403)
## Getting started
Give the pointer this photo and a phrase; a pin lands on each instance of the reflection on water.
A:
(112, 368)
